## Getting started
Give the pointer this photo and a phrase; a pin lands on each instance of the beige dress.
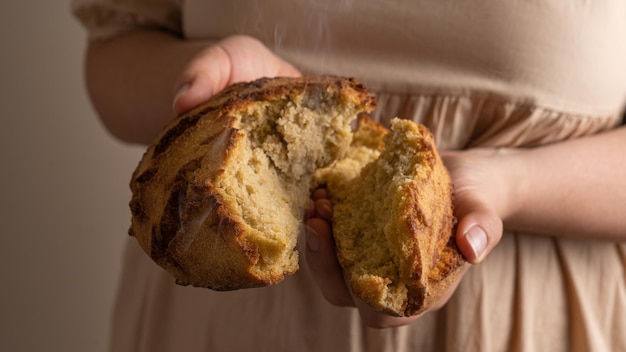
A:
(479, 74)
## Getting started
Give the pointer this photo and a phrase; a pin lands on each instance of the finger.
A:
(321, 258)
(310, 210)
(479, 229)
(324, 209)
(234, 59)
(206, 75)
(320, 193)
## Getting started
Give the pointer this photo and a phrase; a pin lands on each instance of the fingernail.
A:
(324, 208)
(312, 241)
(477, 239)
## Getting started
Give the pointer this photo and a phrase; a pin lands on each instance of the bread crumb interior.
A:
(286, 141)
(371, 239)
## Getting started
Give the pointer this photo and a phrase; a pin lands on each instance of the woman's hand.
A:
(234, 59)
(132, 78)
(480, 199)
(322, 260)
(483, 194)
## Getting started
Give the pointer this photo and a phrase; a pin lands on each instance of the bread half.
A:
(393, 218)
(218, 198)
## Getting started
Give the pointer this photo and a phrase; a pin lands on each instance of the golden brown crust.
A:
(183, 219)
(431, 206)
(187, 215)
(415, 216)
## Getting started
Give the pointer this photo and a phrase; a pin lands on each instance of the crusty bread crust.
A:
(183, 214)
(393, 218)
(219, 196)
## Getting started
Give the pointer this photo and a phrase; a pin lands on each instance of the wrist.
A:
(513, 184)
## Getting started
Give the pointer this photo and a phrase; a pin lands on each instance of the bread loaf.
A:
(218, 198)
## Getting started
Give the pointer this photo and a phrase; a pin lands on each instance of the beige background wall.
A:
(63, 215)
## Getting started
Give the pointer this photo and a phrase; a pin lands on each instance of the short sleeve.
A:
(105, 19)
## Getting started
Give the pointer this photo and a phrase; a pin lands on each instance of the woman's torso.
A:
(478, 73)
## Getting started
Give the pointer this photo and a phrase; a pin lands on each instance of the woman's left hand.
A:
(480, 199)
(328, 274)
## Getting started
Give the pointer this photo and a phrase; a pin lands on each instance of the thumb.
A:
(208, 73)
(479, 228)
(235, 59)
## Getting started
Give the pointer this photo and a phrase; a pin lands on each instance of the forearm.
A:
(575, 188)
(131, 81)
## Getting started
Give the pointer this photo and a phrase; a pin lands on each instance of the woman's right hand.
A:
(234, 59)
(131, 77)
